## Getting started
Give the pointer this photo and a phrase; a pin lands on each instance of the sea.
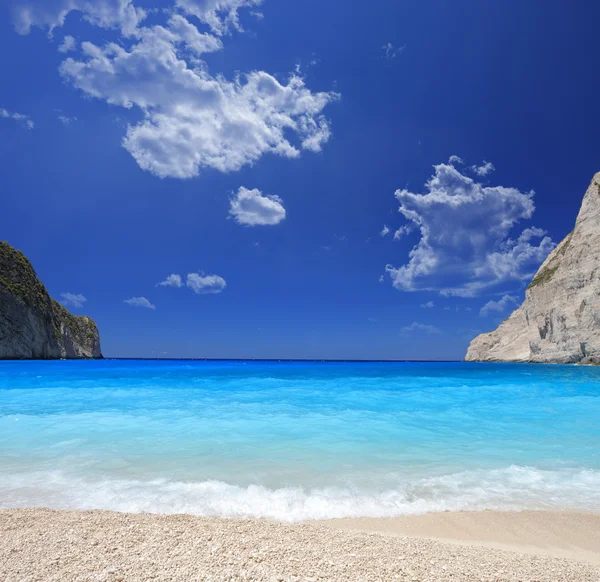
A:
(294, 441)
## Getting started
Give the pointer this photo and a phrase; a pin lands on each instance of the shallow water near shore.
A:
(298, 440)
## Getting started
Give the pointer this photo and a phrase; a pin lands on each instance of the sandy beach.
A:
(42, 544)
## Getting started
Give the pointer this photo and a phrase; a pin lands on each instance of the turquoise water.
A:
(298, 440)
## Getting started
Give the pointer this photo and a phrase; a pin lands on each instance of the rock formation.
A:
(34, 326)
(559, 321)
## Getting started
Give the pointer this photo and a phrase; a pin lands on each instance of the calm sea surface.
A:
(298, 440)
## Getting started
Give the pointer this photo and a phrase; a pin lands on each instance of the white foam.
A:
(512, 488)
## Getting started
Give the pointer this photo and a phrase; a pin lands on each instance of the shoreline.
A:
(46, 544)
(567, 534)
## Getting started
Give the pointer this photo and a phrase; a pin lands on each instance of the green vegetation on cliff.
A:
(544, 275)
(32, 324)
(19, 278)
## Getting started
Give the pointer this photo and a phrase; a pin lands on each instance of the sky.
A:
(316, 179)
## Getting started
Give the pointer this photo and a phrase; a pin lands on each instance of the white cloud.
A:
(66, 120)
(208, 284)
(385, 230)
(415, 327)
(484, 169)
(192, 119)
(403, 231)
(455, 160)
(185, 32)
(428, 305)
(68, 44)
(139, 302)
(390, 51)
(498, 306)
(200, 284)
(18, 117)
(252, 208)
(173, 280)
(381, 279)
(52, 13)
(73, 300)
(195, 121)
(465, 246)
(220, 15)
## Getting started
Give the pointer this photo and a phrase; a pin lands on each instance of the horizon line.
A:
(342, 360)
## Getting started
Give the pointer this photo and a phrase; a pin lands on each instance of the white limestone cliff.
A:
(559, 321)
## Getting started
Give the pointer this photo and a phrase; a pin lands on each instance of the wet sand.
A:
(552, 533)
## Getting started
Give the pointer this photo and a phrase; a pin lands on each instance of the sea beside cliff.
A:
(404, 467)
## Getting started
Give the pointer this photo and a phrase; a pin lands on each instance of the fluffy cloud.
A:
(73, 300)
(465, 246)
(52, 13)
(498, 306)
(68, 44)
(139, 302)
(173, 280)
(207, 284)
(385, 230)
(200, 284)
(219, 15)
(184, 32)
(192, 119)
(415, 327)
(428, 305)
(484, 169)
(18, 117)
(252, 208)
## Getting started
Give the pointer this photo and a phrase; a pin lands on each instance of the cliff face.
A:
(34, 326)
(559, 321)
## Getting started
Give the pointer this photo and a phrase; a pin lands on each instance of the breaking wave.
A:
(511, 488)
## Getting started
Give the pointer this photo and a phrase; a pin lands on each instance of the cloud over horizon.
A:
(465, 246)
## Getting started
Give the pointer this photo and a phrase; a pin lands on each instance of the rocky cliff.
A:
(34, 326)
(559, 321)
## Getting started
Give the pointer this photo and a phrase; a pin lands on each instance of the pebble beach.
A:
(101, 546)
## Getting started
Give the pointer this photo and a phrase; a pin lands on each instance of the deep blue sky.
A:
(501, 82)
